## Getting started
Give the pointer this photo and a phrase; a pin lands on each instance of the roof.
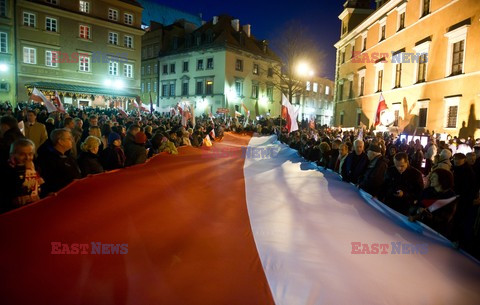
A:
(221, 34)
(132, 2)
(165, 15)
(80, 89)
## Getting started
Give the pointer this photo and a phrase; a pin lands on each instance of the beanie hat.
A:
(140, 138)
(112, 137)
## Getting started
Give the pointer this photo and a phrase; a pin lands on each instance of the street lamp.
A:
(3, 67)
(304, 71)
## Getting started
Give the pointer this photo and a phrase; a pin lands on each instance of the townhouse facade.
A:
(420, 55)
(317, 101)
(7, 52)
(89, 51)
(219, 66)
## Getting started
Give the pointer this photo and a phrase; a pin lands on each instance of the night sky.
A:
(266, 17)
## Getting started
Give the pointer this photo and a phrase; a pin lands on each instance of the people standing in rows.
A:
(88, 160)
(35, 131)
(113, 157)
(355, 163)
(371, 181)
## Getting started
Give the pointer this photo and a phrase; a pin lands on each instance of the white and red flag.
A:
(382, 106)
(38, 97)
(290, 113)
(58, 102)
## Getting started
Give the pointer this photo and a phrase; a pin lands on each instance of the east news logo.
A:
(396, 248)
(97, 248)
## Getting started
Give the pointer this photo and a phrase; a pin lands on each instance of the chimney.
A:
(215, 20)
(236, 24)
(264, 46)
(246, 29)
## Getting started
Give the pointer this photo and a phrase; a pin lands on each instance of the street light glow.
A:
(119, 84)
(107, 83)
(3, 67)
(302, 68)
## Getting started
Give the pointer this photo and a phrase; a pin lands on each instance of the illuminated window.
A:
(84, 6)
(84, 32)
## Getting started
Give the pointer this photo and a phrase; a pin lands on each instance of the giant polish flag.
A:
(290, 113)
(382, 106)
(244, 222)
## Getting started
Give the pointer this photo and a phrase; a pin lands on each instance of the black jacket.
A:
(410, 182)
(136, 154)
(354, 166)
(56, 169)
(374, 176)
(89, 164)
(112, 158)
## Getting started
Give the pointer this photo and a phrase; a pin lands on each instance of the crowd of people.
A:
(435, 184)
(41, 152)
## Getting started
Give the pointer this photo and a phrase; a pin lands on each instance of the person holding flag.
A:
(37, 96)
(58, 103)
(382, 106)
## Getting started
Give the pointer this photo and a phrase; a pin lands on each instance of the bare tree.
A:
(295, 45)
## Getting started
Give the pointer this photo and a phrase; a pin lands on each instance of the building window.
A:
(50, 24)
(155, 69)
(401, 21)
(199, 87)
(29, 55)
(383, 32)
(327, 90)
(172, 68)
(149, 70)
(84, 32)
(165, 69)
(209, 87)
(451, 111)
(359, 117)
(353, 51)
(343, 57)
(3, 8)
(239, 88)
(308, 85)
(128, 18)
(29, 19)
(185, 66)
(364, 47)
(200, 64)
(340, 92)
(425, 8)
(185, 88)
(422, 117)
(239, 65)
(143, 70)
(209, 63)
(112, 38)
(149, 87)
(128, 70)
(379, 80)
(51, 58)
(396, 115)
(3, 42)
(84, 6)
(172, 89)
(254, 91)
(398, 75)
(155, 87)
(112, 14)
(382, 29)
(350, 89)
(270, 93)
(143, 87)
(255, 69)
(362, 86)
(164, 90)
(54, 2)
(452, 117)
(84, 63)
(422, 68)
(113, 68)
(457, 58)
(341, 118)
(270, 72)
(128, 41)
(315, 87)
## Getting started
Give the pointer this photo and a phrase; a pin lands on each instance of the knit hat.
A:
(140, 138)
(375, 148)
(445, 154)
(112, 137)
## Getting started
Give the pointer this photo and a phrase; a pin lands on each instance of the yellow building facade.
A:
(420, 55)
